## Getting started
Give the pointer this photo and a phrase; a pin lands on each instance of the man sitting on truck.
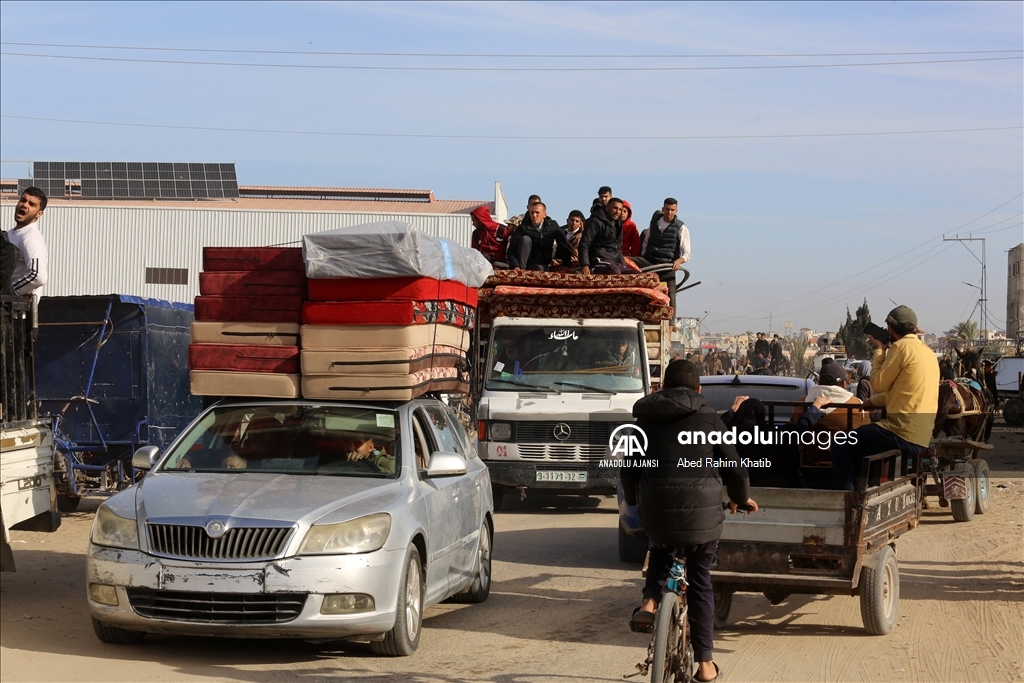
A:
(666, 241)
(532, 245)
(601, 244)
(905, 379)
(489, 238)
(681, 507)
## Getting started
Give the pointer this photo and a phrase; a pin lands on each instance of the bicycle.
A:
(670, 654)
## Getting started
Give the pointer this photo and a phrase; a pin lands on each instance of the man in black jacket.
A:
(681, 501)
(532, 245)
(601, 245)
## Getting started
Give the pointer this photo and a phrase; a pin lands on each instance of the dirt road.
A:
(559, 607)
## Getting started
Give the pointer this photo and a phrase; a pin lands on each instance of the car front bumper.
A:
(377, 574)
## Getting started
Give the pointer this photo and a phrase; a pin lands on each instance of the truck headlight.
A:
(115, 532)
(501, 431)
(362, 535)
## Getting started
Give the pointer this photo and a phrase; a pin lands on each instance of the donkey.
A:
(956, 399)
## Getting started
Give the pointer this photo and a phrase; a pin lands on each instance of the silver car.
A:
(296, 519)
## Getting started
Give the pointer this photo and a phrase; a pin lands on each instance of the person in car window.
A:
(378, 457)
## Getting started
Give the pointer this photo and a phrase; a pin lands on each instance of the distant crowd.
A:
(607, 241)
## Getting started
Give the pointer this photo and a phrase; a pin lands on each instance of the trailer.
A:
(28, 499)
(112, 371)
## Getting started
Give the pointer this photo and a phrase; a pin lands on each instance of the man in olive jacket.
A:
(681, 500)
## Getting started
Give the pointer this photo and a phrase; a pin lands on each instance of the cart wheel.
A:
(67, 502)
(880, 593)
(1013, 412)
(963, 509)
(632, 547)
(723, 605)
(776, 595)
(981, 486)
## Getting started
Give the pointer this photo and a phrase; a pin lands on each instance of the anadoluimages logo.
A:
(627, 441)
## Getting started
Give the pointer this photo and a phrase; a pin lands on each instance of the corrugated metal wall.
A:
(106, 250)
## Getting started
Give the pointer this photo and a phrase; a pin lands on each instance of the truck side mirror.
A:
(444, 464)
(145, 458)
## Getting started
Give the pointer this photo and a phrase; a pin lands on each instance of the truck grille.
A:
(580, 432)
(239, 543)
(216, 608)
(562, 452)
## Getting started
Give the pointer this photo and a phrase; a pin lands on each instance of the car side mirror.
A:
(146, 457)
(444, 464)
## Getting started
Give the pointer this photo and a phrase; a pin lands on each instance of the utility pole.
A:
(983, 299)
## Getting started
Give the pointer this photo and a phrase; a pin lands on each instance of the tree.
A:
(798, 359)
(966, 330)
(852, 332)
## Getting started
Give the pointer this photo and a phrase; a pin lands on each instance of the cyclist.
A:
(681, 501)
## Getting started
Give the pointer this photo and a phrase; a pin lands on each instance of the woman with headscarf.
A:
(630, 233)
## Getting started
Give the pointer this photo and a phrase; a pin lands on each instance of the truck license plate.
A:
(561, 475)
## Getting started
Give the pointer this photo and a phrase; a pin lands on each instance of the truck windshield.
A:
(290, 439)
(565, 359)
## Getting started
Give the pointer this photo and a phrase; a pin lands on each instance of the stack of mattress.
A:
(573, 295)
(386, 338)
(245, 337)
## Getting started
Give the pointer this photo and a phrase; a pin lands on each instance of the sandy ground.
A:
(559, 607)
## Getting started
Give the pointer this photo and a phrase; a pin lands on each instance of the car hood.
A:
(248, 495)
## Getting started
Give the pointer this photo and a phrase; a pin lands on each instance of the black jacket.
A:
(602, 238)
(682, 505)
(663, 247)
(542, 240)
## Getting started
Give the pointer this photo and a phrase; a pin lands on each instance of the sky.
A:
(797, 206)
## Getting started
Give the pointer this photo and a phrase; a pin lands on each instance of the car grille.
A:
(580, 432)
(239, 543)
(216, 608)
(562, 452)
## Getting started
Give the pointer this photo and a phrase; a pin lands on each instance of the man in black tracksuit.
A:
(533, 244)
(681, 507)
(601, 245)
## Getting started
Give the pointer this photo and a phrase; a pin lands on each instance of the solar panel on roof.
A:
(142, 180)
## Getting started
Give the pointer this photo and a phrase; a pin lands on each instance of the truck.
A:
(28, 499)
(554, 380)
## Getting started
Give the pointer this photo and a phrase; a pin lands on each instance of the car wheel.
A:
(481, 586)
(115, 635)
(404, 638)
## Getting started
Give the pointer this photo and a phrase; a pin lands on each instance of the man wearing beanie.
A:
(905, 378)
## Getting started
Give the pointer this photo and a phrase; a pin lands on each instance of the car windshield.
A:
(565, 359)
(290, 439)
(721, 396)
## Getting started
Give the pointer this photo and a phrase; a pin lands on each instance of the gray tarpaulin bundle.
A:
(390, 249)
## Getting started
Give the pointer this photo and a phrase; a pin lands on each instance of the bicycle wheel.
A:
(671, 642)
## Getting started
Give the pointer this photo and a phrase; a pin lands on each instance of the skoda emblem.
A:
(215, 528)
(561, 431)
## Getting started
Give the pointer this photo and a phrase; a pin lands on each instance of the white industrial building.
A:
(140, 247)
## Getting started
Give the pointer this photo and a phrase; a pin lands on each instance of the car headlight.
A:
(362, 535)
(501, 431)
(116, 532)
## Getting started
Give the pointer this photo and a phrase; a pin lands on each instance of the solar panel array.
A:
(135, 180)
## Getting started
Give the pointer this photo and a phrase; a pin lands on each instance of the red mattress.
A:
(394, 312)
(253, 283)
(243, 358)
(253, 309)
(421, 288)
(253, 258)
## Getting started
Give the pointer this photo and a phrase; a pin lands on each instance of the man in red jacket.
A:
(489, 238)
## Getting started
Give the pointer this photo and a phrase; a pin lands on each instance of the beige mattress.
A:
(248, 384)
(383, 336)
(260, 334)
(386, 387)
(379, 361)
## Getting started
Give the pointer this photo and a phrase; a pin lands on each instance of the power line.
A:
(275, 131)
(366, 67)
(878, 265)
(507, 55)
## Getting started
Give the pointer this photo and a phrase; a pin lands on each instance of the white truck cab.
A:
(551, 392)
